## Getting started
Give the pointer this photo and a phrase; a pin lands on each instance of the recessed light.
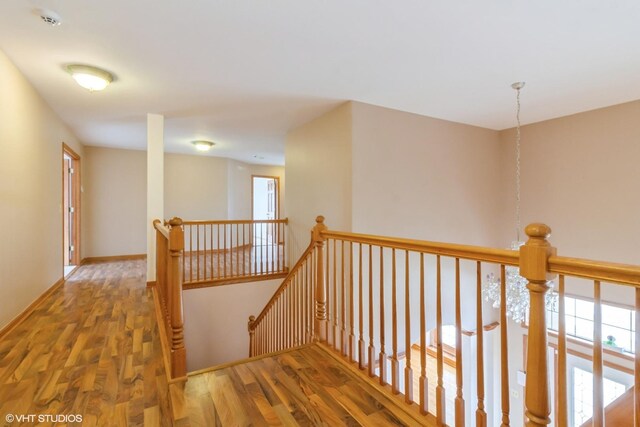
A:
(89, 77)
(202, 145)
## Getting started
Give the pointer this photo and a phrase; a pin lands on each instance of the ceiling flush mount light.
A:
(89, 77)
(516, 292)
(203, 145)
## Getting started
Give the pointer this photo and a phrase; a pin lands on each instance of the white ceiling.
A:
(244, 72)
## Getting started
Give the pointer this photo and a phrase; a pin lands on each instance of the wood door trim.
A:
(75, 199)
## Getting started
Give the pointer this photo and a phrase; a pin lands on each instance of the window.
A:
(618, 324)
(583, 394)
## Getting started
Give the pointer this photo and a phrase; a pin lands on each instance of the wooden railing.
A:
(168, 290)
(374, 298)
(221, 252)
(288, 318)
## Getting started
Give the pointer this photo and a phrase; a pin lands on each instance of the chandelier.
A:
(516, 286)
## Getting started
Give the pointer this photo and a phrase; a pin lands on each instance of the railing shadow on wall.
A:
(361, 295)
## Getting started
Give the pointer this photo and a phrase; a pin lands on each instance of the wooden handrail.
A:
(238, 221)
(623, 274)
(475, 253)
(157, 224)
(283, 285)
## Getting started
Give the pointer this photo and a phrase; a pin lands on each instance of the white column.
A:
(155, 186)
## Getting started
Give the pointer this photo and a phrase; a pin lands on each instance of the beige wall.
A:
(215, 325)
(195, 187)
(31, 137)
(239, 175)
(419, 177)
(579, 176)
(116, 200)
(318, 170)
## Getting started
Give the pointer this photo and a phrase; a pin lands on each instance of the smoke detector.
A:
(49, 17)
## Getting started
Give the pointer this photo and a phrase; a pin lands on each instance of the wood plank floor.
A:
(92, 348)
(304, 386)
(199, 266)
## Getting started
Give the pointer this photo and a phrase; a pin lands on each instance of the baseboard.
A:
(99, 259)
(31, 308)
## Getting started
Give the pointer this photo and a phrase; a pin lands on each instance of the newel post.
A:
(176, 247)
(534, 256)
(321, 289)
(252, 336)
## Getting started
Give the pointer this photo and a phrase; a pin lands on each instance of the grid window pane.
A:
(584, 309)
(616, 316)
(584, 329)
(569, 306)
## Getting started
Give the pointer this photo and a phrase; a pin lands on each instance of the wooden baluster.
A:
(190, 253)
(395, 366)
(184, 261)
(598, 390)
(273, 253)
(224, 267)
(636, 390)
(408, 372)
(218, 252)
(423, 383)
(562, 416)
(372, 347)
(197, 252)
(211, 254)
(328, 279)
(441, 410)
(320, 323)
(343, 290)
(459, 402)
(296, 308)
(481, 415)
(178, 352)
(336, 313)
(382, 356)
(252, 336)
(534, 257)
(361, 359)
(504, 353)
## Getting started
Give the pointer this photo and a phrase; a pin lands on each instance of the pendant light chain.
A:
(518, 165)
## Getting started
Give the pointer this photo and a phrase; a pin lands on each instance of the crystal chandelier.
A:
(516, 287)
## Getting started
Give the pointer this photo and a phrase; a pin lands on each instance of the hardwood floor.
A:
(91, 348)
(200, 266)
(304, 386)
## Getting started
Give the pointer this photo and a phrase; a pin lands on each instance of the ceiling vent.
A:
(49, 17)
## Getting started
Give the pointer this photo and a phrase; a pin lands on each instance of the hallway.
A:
(91, 348)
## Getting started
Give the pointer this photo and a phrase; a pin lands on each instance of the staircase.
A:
(619, 413)
(361, 301)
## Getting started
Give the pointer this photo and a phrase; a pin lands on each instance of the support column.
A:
(155, 186)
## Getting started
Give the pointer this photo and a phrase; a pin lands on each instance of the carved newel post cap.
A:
(538, 231)
(252, 318)
(320, 219)
(175, 221)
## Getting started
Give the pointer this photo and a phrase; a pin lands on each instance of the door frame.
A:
(75, 202)
(277, 206)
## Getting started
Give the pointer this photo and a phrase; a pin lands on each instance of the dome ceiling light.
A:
(202, 145)
(91, 78)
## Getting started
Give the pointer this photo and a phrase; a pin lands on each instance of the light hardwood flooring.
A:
(92, 348)
(304, 386)
(200, 266)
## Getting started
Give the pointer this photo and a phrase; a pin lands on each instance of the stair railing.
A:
(369, 293)
(168, 294)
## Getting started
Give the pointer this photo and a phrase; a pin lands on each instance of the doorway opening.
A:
(265, 202)
(70, 209)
